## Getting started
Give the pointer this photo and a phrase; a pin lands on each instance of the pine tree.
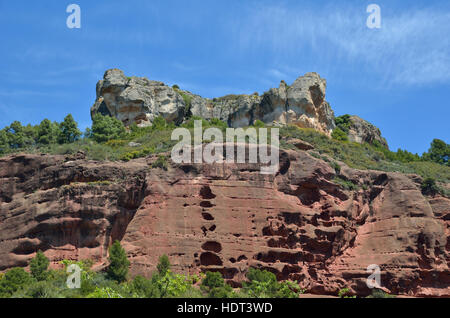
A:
(163, 265)
(69, 130)
(38, 266)
(118, 263)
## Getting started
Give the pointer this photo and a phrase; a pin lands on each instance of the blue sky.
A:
(397, 77)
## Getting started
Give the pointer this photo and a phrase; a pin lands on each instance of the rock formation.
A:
(139, 100)
(299, 224)
(362, 131)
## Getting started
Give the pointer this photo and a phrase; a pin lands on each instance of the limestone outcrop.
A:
(139, 100)
(362, 131)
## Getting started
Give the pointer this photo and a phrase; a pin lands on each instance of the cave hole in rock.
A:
(210, 259)
(206, 193)
(212, 246)
(308, 194)
(207, 216)
(206, 204)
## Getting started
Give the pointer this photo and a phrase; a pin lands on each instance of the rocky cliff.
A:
(299, 224)
(361, 131)
(139, 100)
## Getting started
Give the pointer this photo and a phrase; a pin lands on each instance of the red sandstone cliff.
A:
(297, 224)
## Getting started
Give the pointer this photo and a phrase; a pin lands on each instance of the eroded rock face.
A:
(298, 224)
(362, 131)
(139, 100)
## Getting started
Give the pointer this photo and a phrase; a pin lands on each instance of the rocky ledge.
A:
(299, 224)
(139, 100)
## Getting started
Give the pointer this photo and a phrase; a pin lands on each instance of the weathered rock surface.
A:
(362, 131)
(298, 224)
(139, 100)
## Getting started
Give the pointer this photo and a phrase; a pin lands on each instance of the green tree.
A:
(69, 131)
(106, 128)
(38, 266)
(339, 134)
(343, 123)
(13, 280)
(118, 263)
(439, 152)
(46, 132)
(4, 142)
(163, 265)
(215, 286)
(263, 284)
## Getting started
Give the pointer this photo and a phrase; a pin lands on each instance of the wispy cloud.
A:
(412, 47)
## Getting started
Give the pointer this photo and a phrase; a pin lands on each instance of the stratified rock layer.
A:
(139, 100)
(298, 224)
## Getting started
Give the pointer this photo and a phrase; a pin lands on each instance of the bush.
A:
(163, 265)
(13, 280)
(118, 263)
(378, 293)
(161, 163)
(264, 284)
(345, 293)
(214, 285)
(105, 128)
(38, 266)
(343, 123)
(429, 187)
(339, 135)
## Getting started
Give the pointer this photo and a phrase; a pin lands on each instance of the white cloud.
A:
(412, 47)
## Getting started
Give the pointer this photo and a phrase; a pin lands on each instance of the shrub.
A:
(118, 263)
(264, 284)
(346, 184)
(38, 266)
(214, 285)
(161, 163)
(429, 187)
(345, 293)
(339, 135)
(163, 265)
(343, 123)
(106, 128)
(378, 293)
(259, 124)
(13, 280)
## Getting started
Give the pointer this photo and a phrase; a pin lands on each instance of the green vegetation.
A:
(38, 266)
(429, 187)
(339, 135)
(375, 156)
(108, 139)
(114, 282)
(105, 128)
(346, 184)
(378, 293)
(118, 263)
(343, 123)
(345, 293)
